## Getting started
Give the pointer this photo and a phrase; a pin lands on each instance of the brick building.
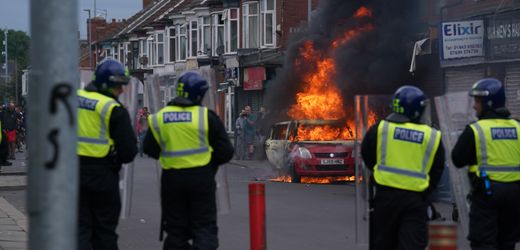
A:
(236, 44)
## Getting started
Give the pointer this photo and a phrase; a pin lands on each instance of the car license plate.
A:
(332, 161)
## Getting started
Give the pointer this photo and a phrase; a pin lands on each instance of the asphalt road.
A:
(298, 216)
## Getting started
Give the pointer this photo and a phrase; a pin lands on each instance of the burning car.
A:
(317, 148)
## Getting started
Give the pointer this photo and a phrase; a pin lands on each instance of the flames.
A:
(319, 98)
(317, 180)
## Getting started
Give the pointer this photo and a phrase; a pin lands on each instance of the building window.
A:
(183, 42)
(160, 48)
(268, 23)
(122, 53)
(115, 52)
(108, 53)
(152, 50)
(232, 30)
(193, 39)
(128, 51)
(172, 44)
(144, 53)
(205, 35)
(134, 55)
(218, 34)
(251, 25)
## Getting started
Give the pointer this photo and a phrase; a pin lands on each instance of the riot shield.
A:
(210, 101)
(455, 112)
(223, 200)
(368, 109)
(126, 174)
(152, 94)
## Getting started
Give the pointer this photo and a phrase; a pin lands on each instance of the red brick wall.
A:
(99, 29)
(291, 14)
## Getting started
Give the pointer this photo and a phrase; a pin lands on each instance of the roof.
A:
(142, 16)
(156, 14)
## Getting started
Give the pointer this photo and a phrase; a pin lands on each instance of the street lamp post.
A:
(6, 58)
(89, 34)
(6, 65)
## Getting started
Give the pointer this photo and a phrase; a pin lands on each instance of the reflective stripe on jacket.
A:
(94, 111)
(498, 149)
(405, 154)
(182, 133)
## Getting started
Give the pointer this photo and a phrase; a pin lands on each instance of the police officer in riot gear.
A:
(190, 142)
(105, 141)
(407, 159)
(491, 149)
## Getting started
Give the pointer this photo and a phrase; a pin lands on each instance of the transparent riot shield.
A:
(153, 100)
(368, 109)
(223, 200)
(152, 94)
(126, 175)
(455, 112)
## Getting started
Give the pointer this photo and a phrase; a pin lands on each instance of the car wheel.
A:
(295, 178)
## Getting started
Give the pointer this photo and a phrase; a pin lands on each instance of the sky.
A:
(14, 14)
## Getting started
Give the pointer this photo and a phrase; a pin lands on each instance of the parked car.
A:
(291, 154)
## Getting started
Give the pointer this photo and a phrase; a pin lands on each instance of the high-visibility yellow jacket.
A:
(405, 154)
(182, 133)
(498, 149)
(94, 113)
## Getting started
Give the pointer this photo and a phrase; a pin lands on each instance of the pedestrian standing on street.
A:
(240, 145)
(142, 127)
(190, 142)
(9, 127)
(249, 132)
(407, 159)
(106, 140)
(263, 125)
(491, 149)
(4, 148)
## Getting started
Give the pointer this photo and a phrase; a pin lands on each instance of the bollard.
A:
(257, 216)
(443, 236)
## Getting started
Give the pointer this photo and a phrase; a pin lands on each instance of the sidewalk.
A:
(13, 223)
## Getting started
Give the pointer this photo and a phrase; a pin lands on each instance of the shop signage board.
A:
(503, 36)
(462, 39)
(253, 78)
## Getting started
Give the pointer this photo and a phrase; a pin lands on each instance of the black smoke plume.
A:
(375, 62)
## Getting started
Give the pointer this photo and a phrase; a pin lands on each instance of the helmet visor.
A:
(476, 92)
(123, 80)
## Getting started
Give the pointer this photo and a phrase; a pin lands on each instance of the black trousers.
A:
(189, 209)
(494, 220)
(99, 208)
(4, 148)
(399, 220)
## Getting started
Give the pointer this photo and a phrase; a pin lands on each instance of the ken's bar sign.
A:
(462, 39)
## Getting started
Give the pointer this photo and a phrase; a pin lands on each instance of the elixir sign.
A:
(462, 39)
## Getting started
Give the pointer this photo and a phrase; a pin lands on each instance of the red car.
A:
(297, 156)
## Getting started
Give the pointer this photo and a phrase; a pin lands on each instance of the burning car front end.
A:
(321, 159)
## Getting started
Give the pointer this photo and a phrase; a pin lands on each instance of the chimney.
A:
(146, 3)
